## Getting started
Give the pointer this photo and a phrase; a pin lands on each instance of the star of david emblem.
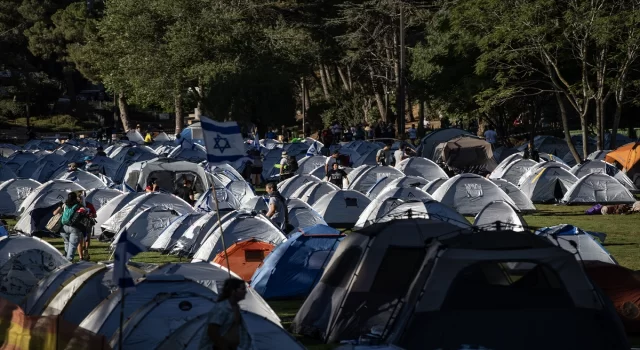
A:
(222, 143)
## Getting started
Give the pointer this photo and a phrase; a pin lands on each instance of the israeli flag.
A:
(314, 149)
(222, 140)
(124, 251)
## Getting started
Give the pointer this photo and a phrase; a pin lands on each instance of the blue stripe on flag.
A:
(219, 159)
(223, 128)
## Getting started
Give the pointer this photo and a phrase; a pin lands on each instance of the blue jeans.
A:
(71, 236)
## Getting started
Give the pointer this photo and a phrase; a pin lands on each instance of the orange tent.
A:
(628, 156)
(245, 257)
(21, 332)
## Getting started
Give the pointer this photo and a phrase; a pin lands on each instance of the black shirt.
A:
(336, 176)
(184, 193)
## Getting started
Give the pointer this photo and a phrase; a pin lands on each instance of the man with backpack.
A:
(383, 157)
(70, 234)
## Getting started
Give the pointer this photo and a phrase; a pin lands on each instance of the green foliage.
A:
(57, 123)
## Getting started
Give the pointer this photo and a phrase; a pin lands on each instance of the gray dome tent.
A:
(367, 277)
(341, 208)
(514, 170)
(170, 235)
(291, 184)
(146, 226)
(469, 193)
(367, 177)
(500, 212)
(522, 202)
(24, 261)
(109, 209)
(13, 192)
(422, 167)
(99, 197)
(547, 184)
(391, 208)
(311, 192)
(598, 188)
(432, 186)
(602, 167)
(401, 182)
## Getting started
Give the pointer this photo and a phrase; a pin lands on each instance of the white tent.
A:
(128, 154)
(193, 236)
(469, 193)
(541, 165)
(290, 185)
(500, 215)
(168, 173)
(101, 196)
(307, 164)
(405, 193)
(109, 209)
(514, 170)
(584, 246)
(227, 201)
(390, 208)
(238, 226)
(84, 179)
(152, 199)
(24, 261)
(522, 202)
(401, 182)
(432, 186)
(341, 208)
(547, 184)
(422, 167)
(301, 214)
(13, 192)
(312, 191)
(602, 167)
(146, 226)
(598, 188)
(174, 231)
(365, 179)
(190, 152)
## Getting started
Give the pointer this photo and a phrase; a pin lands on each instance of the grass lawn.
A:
(623, 242)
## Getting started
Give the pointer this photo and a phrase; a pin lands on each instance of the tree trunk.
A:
(532, 124)
(379, 100)
(349, 78)
(616, 124)
(327, 75)
(565, 127)
(599, 127)
(421, 131)
(179, 113)
(343, 78)
(410, 107)
(323, 80)
(124, 115)
(585, 137)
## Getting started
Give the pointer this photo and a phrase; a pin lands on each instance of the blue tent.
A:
(294, 267)
(194, 133)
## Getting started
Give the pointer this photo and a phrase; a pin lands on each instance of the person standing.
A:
(256, 167)
(491, 136)
(225, 329)
(399, 154)
(383, 157)
(71, 235)
(328, 164)
(337, 176)
(413, 134)
(185, 192)
(277, 206)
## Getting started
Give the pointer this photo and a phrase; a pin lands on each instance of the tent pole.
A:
(122, 295)
(224, 246)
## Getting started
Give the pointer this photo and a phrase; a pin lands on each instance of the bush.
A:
(55, 123)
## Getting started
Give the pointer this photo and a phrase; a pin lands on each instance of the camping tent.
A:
(302, 215)
(290, 185)
(385, 209)
(465, 293)
(111, 207)
(466, 151)
(369, 176)
(598, 188)
(227, 201)
(423, 167)
(341, 208)
(432, 186)
(602, 167)
(469, 193)
(13, 192)
(628, 156)
(83, 178)
(513, 171)
(101, 196)
(401, 182)
(294, 267)
(547, 184)
(312, 191)
(174, 231)
(307, 164)
(148, 200)
(146, 226)
(367, 276)
(522, 202)
(578, 242)
(429, 143)
(24, 261)
(238, 226)
(193, 236)
(500, 215)
(168, 173)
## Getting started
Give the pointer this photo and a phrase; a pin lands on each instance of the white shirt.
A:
(412, 133)
(330, 161)
(490, 136)
(398, 154)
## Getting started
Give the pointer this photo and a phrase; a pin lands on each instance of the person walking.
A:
(383, 157)
(337, 176)
(225, 329)
(277, 207)
(413, 134)
(328, 164)
(491, 136)
(70, 234)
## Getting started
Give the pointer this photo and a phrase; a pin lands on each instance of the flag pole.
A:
(224, 246)
(122, 296)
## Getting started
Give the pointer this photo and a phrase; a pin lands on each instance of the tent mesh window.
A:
(397, 270)
(254, 255)
(506, 286)
(341, 271)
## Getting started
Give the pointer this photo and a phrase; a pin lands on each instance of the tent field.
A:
(623, 242)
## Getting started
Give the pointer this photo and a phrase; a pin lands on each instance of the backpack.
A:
(292, 166)
(67, 214)
(380, 157)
